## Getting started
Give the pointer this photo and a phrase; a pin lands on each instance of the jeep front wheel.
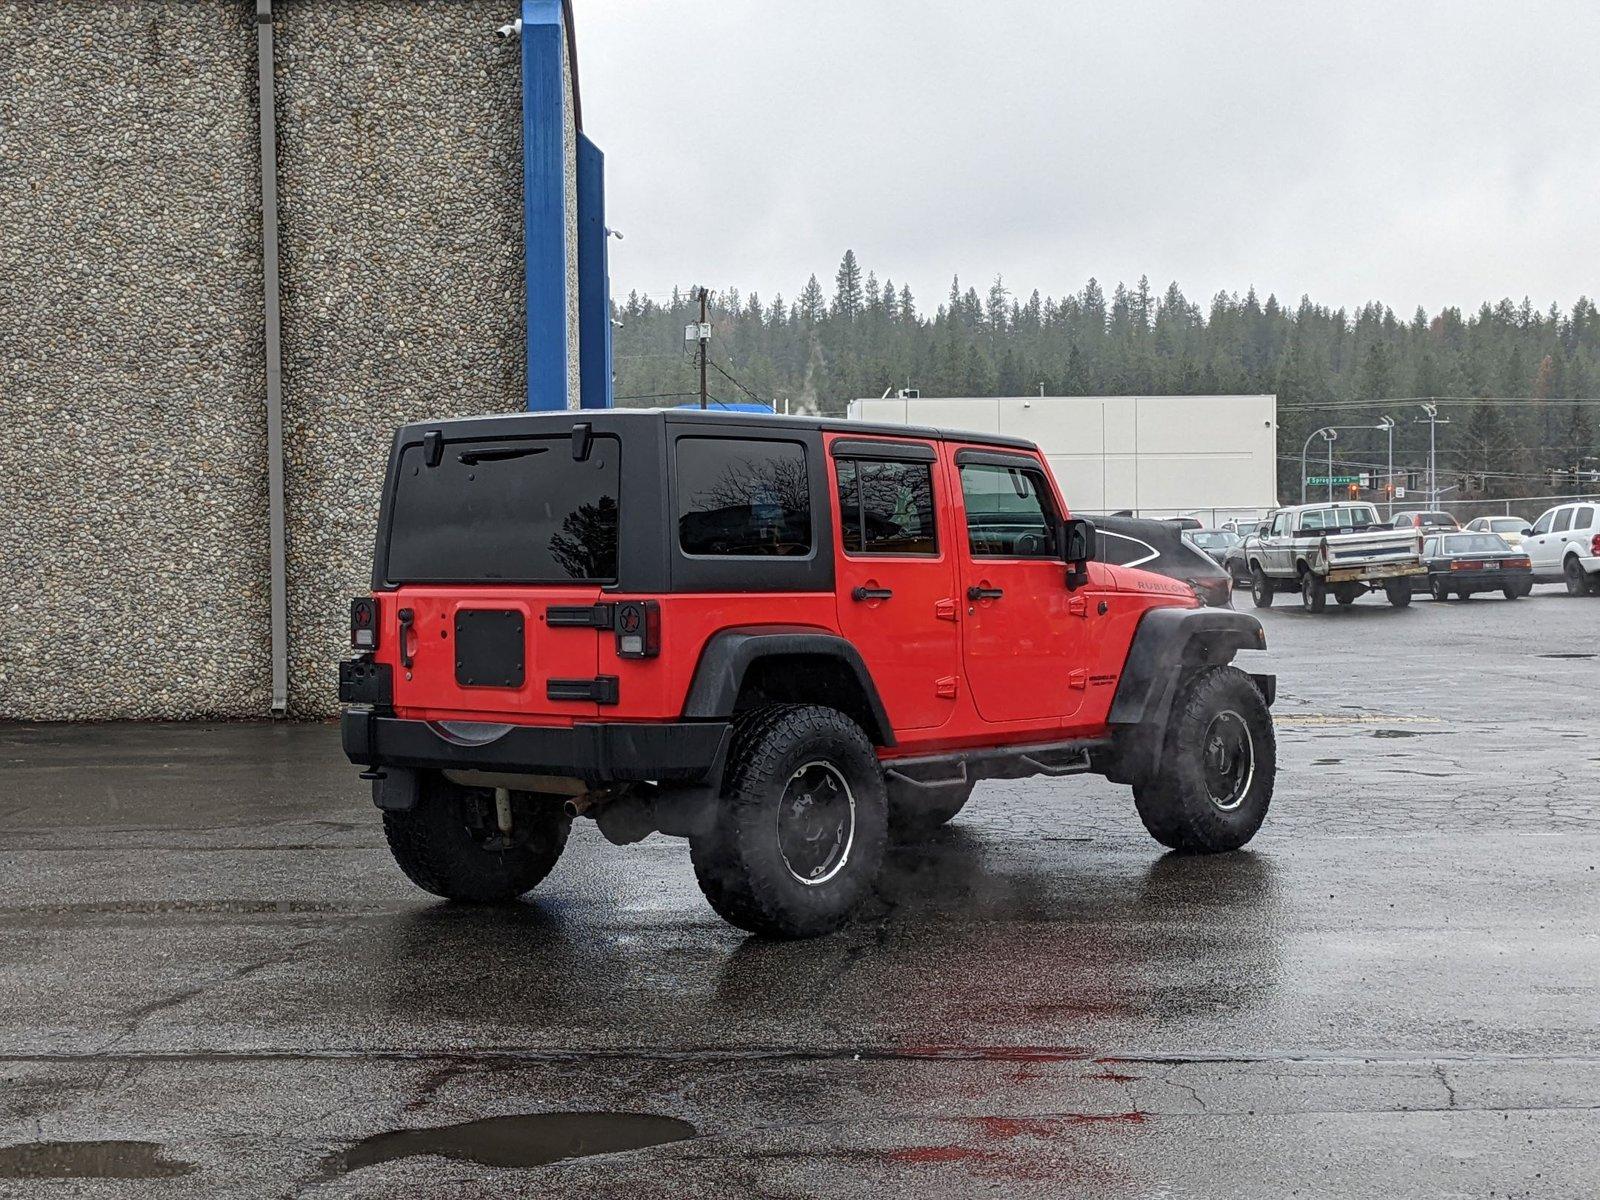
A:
(452, 844)
(1219, 759)
(800, 836)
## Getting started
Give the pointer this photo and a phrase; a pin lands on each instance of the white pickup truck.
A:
(1343, 548)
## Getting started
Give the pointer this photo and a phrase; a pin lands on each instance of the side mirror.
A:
(1528, 532)
(1075, 545)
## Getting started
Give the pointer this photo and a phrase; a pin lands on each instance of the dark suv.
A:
(783, 639)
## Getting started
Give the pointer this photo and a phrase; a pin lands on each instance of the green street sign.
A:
(1336, 480)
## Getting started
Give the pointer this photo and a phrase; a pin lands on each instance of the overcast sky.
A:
(1413, 153)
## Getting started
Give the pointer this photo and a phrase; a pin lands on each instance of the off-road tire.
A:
(739, 862)
(1437, 589)
(1399, 592)
(1176, 805)
(916, 812)
(1313, 592)
(1261, 590)
(450, 843)
(1577, 579)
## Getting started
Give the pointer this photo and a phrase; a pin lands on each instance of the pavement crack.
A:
(1444, 1081)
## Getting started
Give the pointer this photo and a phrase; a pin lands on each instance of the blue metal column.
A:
(544, 116)
(594, 281)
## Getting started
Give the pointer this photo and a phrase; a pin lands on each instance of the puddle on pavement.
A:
(89, 1160)
(519, 1141)
(1325, 762)
(1569, 654)
(1399, 733)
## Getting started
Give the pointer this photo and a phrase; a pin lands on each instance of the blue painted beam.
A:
(545, 111)
(594, 279)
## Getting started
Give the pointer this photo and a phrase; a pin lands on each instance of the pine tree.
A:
(847, 287)
(812, 306)
(908, 306)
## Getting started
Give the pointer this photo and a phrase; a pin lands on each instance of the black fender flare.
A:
(729, 654)
(1167, 640)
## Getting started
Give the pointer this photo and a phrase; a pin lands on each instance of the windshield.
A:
(1473, 543)
(1213, 539)
(1437, 518)
(1507, 524)
(506, 510)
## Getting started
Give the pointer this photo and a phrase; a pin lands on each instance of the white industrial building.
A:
(1214, 457)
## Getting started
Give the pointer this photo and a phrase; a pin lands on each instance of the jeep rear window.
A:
(511, 510)
(743, 498)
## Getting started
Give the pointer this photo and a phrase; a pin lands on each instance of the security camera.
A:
(506, 32)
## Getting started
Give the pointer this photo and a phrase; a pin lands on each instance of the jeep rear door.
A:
(497, 551)
(1023, 637)
(896, 575)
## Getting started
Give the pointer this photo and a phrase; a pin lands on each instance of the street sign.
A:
(1399, 493)
(1336, 480)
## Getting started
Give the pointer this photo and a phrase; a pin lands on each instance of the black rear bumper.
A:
(681, 752)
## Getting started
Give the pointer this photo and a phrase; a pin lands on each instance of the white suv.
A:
(1565, 544)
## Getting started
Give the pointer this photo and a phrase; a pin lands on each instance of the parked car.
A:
(1463, 564)
(1510, 528)
(778, 637)
(1564, 544)
(1185, 522)
(1161, 547)
(1215, 542)
(1343, 548)
(1425, 520)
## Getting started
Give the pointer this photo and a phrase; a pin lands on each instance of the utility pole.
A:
(1433, 465)
(1330, 466)
(705, 337)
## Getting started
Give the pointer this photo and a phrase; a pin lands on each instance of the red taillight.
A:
(638, 628)
(1467, 564)
(1594, 545)
(363, 623)
(1516, 562)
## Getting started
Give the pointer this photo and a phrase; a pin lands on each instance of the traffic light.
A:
(1355, 491)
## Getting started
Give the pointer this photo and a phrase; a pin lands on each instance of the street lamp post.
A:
(1387, 425)
(1305, 450)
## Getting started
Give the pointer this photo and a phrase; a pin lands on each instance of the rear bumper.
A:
(680, 752)
(1375, 572)
(1484, 581)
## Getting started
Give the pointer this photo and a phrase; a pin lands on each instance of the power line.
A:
(1453, 401)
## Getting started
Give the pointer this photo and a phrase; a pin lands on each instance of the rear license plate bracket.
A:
(491, 648)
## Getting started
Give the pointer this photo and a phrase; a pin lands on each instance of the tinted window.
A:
(1584, 518)
(886, 507)
(1438, 518)
(1122, 550)
(515, 510)
(1430, 546)
(1542, 525)
(1563, 521)
(1007, 514)
(743, 498)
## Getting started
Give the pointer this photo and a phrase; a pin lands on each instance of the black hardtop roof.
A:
(510, 424)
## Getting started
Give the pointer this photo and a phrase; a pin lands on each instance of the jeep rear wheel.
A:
(1260, 588)
(451, 843)
(800, 836)
(915, 812)
(1214, 785)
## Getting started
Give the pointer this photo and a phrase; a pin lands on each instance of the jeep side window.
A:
(1563, 520)
(1007, 513)
(740, 497)
(887, 507)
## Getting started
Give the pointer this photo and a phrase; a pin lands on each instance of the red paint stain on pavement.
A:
(1124, 1118)
(937, 1154)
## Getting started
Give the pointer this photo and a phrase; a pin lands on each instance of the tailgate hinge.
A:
(602, 689)
(581, 616)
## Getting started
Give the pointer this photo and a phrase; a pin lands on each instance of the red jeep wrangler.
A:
(781, 638)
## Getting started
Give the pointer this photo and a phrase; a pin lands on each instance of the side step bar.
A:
(960, 767)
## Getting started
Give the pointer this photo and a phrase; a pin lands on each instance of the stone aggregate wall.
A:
(133, 506)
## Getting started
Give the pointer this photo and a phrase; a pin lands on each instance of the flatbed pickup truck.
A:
(1345, 549)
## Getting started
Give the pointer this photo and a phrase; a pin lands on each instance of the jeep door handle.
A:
(405, 615)
(984, 593)
(866, 593)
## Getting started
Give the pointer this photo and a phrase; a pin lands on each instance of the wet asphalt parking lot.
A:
(214, 982)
